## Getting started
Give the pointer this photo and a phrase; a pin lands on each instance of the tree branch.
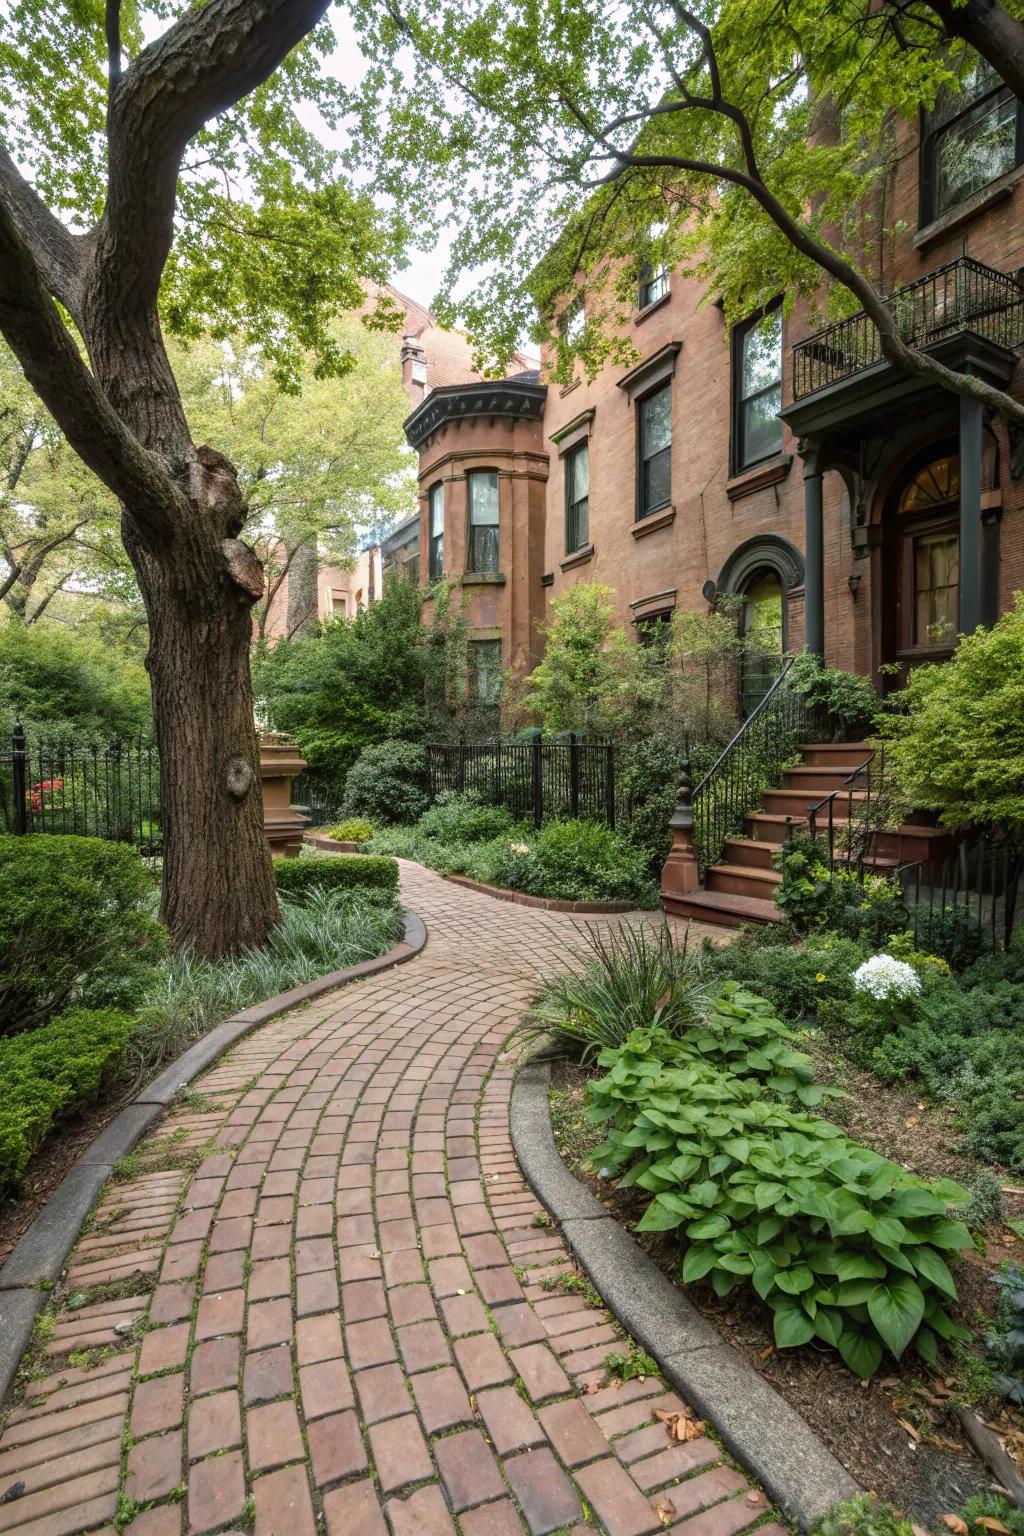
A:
(58, 254)
(112, 20)
(45, 348)
(212, 57)
(991, 31)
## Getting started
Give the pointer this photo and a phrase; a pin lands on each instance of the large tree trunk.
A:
(218, 886)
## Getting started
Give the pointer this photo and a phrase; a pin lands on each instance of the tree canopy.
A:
(747, 141)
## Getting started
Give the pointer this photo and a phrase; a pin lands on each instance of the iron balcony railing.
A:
(963, 295)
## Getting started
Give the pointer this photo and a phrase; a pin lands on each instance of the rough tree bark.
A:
(182, 511)
(303, 604)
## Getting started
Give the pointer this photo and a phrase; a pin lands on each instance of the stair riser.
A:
(797, 802)
(678, 906)
(748, 855)
(902, 845)
(823, 779)
(733, 882)
(768, 831)
(850, 756)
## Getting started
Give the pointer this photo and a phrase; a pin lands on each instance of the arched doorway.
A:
(921, 563)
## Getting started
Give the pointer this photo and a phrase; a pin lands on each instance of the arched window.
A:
(924, 540)
(436, 505)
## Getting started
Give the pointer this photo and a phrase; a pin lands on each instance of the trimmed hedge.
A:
(47, 1071)
(335, 872)
(70, 908)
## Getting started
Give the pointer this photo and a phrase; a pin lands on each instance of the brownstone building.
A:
(766, 461)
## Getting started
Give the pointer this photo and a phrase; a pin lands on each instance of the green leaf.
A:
(767, 1194)
(927, 1346)
(768, 1230)
(859, 1266)
(896, 1311)
(861, 1352)
(708, 1226)
(928, 1263)
(795, 1280)
(888, 1230)
(828, 1326)
(916, 1202)
(697, 1261)
(658, 1218)
(792, 1326)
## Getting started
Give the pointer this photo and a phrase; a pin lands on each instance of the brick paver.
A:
(324, 1305)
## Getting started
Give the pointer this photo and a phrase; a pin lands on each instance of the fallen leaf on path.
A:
(665, 1511)
(915, 1434)
(680, 1426)
(990, 1523)
(954, 1523)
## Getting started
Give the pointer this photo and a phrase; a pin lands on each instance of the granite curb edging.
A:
(35, 1264)
(768, 1436)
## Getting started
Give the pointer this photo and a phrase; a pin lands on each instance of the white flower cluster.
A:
(886, 979)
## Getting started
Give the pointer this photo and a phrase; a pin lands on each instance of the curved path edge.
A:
(771, 1439)
(35, 1264)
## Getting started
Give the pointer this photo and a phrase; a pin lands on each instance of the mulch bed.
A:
(898, 1434)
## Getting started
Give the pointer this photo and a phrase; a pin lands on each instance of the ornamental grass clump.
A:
(843, 1246)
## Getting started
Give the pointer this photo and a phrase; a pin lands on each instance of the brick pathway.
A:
(316, 1300)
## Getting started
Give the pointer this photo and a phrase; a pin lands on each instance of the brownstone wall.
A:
(712, 514)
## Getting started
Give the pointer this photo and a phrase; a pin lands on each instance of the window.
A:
(419, 372)
(577, 498)
(653, 285)
(757, 389)
(936, 583)
(654, 452)
(483, 522)
(485, 670)
(436, 513)
(972, 137)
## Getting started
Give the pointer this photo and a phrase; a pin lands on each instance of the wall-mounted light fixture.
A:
(853, 582)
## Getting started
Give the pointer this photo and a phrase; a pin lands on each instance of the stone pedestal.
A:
(681, 873)
(280, 763)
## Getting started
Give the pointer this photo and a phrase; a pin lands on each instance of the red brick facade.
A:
(721, 527)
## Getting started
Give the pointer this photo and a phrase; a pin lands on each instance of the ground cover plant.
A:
(843, 1245)
(91, 1001)
(563, 860)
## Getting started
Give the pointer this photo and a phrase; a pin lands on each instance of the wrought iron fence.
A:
(58, 786)
(536, 780)
(960, 296)
(751, 763)
(971, 900)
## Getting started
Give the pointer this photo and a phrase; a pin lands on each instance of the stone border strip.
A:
(329, 844)
(545, 903)
(771, 1439)
(36, 1263)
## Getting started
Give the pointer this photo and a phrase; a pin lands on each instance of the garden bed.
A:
(928, 1469)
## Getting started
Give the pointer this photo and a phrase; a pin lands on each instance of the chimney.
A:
(414, 369)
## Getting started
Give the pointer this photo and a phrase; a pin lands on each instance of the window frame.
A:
(738, 461)
(435, 541)
(650, 278)
(642, 511)
(472, 568)
(930, 133)
(568, 461)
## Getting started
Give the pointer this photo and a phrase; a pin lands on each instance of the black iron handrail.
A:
(971, 900)
(961, 295)
(865, 779)
(748, 766)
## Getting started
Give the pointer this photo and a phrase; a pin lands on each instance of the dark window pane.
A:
(656, 422)
(483, 550)
(762, 429)
(976, 149)
(653, 286)
(657, 482)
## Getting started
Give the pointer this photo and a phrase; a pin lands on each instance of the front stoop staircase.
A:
(739, 887)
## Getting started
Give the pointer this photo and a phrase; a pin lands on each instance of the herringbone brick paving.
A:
(314, 1301)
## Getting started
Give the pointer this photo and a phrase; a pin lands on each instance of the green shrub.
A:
(632, 978)
(862, 906)
(356, 830)
(463, 817)
(388, 782)
(72, 910)
(979, 1512)
(1005, 1341)
(862, 1516)
(795, 979)
(48, 1071)
(847, 700)
(578, 861)
(844, 1246)
(335, 872)
(321, 931)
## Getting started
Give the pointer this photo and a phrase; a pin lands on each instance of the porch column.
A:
(969, 615)
(814, 552)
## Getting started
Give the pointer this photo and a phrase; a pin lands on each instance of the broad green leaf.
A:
(861, 1352)
(708, 1226)
(859, 1266)
(928, 1263)
(828, 1325)
(792, 1326)
(697, 1262)
(896, 1311)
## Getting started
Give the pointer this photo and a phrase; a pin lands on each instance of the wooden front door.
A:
(921, 553)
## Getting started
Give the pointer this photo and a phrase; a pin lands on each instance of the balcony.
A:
(962, 296)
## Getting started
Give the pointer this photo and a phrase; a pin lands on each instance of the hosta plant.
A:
(844, 1246)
